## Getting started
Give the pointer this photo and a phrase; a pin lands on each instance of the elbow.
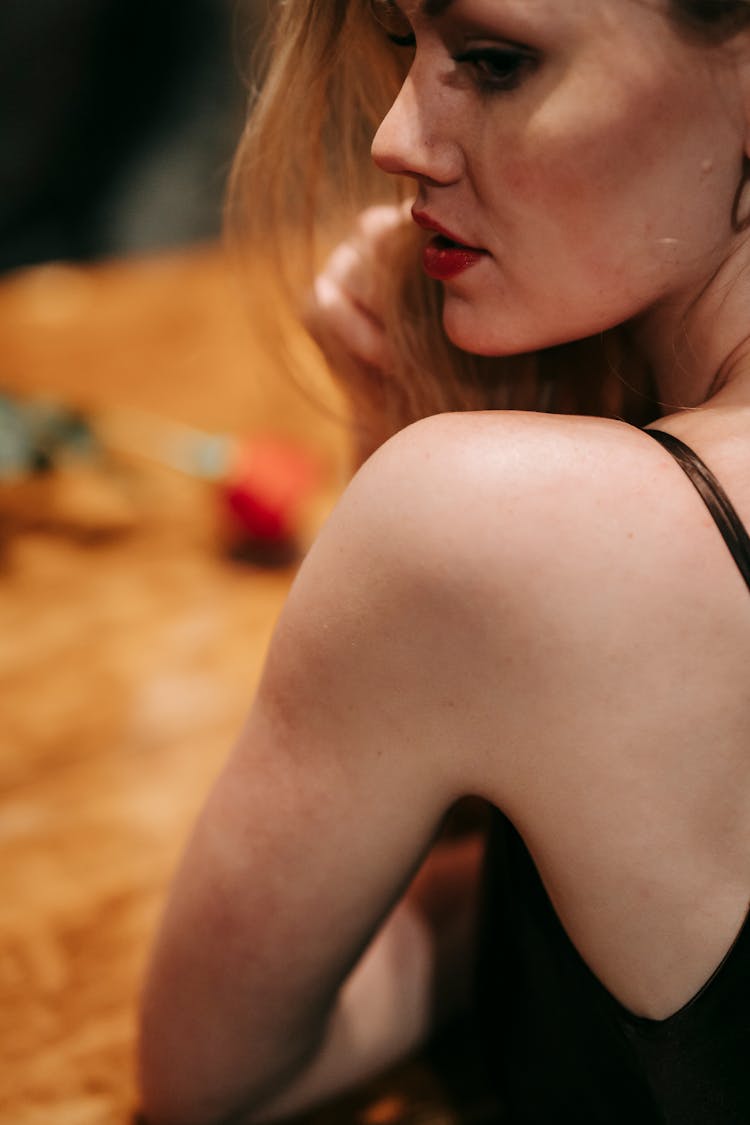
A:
(164, 1101)
(165, 1098)
(173, 1087)
(188, 1077)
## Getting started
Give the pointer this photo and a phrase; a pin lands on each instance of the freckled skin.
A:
(575, 180)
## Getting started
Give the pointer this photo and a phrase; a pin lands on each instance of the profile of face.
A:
(585, 149)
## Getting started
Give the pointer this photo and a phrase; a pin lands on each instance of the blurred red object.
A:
(265, 489)
(264, 484)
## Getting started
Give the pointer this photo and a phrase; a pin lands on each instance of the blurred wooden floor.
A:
(127, 662)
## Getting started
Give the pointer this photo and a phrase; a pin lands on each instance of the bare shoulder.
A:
(506, 582)
(469, 498)
(565, 563)
(561, 497)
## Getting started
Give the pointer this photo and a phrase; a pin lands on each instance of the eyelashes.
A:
(497, 68)
(493, 69)
(408, 39)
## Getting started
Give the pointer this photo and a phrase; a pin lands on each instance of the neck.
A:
(698, 345)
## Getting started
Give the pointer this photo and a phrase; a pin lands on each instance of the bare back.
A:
(635, 804)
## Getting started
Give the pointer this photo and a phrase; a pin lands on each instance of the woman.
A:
(533, 606)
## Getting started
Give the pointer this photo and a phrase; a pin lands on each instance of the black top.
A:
(560, 1047)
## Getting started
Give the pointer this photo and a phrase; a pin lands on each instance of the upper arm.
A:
(323, 813)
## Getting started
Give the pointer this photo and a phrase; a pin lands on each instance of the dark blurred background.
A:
(118, 119)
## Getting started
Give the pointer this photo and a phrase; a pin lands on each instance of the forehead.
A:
(568, 11)
(570, 26)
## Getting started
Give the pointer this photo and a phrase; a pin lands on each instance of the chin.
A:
(487, 332)
(477, 334)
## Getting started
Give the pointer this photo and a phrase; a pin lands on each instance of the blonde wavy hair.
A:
(302, 173)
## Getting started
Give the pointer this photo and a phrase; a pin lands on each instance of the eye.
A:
(393, 22)
(408, 40)
(498, 68)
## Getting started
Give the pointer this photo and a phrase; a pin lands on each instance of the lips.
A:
(423, 220)
(445, 256)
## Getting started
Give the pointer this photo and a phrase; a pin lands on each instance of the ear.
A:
(739, 48)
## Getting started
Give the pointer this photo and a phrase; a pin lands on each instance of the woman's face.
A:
(586, 152)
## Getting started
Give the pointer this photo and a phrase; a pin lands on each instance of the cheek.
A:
(611, 190)
(567, 159)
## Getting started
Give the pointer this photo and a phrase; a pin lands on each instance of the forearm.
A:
(199, 1062)
(227, 1015)
(414, 977)
(383, 1013)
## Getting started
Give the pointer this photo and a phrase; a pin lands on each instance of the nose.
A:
(413, 139)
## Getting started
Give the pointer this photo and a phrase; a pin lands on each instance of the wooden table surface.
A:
(127, 662)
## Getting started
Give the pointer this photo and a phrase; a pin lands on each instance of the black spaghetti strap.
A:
(714, 497)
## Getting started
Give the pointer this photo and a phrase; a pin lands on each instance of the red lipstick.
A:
(445, 256)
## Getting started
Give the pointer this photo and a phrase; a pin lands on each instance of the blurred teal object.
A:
(37, 435)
